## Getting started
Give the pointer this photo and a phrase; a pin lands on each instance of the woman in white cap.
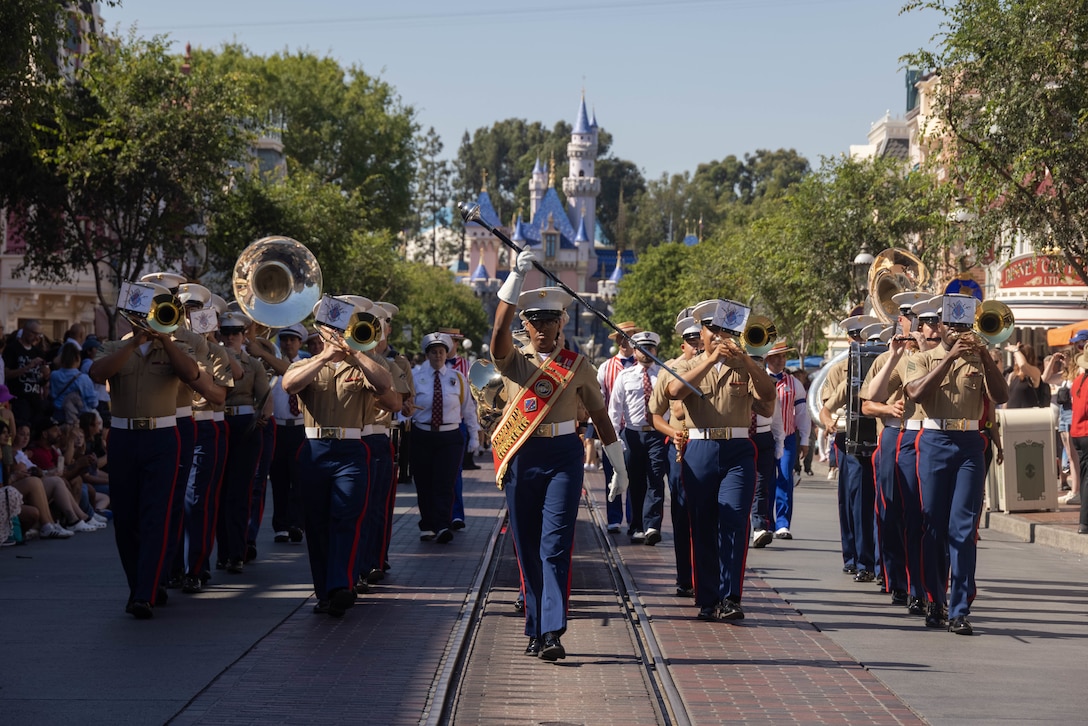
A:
(443, 401)
(537, 451)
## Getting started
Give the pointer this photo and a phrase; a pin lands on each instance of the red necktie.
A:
(436, 403)
(646, 389)
(752, 427)
(292, 403)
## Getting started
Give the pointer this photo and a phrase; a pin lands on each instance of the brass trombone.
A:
(759, 336)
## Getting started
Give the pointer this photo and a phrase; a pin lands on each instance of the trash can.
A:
(1028, 478)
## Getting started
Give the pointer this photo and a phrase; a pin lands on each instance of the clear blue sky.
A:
(676, 82)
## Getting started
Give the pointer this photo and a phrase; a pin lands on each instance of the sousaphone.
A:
(894, 271)
(277, 281)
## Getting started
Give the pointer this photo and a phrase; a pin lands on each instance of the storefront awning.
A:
(1057, 337)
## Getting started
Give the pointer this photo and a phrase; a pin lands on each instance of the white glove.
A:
(511, 287)
(474, 445)
(618, 485)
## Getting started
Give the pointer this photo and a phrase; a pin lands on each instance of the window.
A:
(551, 241)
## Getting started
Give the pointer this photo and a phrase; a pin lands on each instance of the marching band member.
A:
(645, 453)
(950, 382)
(144, 370)
(443, 401)
(335, 387)
(606, 376)
(245, 418)
(899, 516)
(793, 411)
(850, 479)
(285, 473)
(537, 451)
(209, 451)
(675, 428)
(719, 459)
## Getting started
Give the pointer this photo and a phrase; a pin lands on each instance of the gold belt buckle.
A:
(545, 430)
(330, 432)
(141, 424)
(720, 433)
(955, 424)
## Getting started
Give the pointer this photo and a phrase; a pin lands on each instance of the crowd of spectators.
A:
(54, 480)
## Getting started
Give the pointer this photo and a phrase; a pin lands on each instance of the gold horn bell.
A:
(759, 336)
(994, 322)
(894, 271)
(277, 281)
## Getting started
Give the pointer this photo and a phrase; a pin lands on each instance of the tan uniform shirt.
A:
(727, 401)
(199, 345)
(896, 384)
(252, 388)
(218, 367)
(338, 396)
(379, 416)
(518, 367)
(960, 394)
(659, 398)
(146, 386)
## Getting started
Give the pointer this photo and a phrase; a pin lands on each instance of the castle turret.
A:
(538, 184)
(581, 186)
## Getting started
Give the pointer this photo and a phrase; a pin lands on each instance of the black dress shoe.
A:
(322, 607)
(551, 648)
(849, 569)
(685, 592)
(294, 534)
(191, 584)
(375, 576)
(899, 597)
(161, 596)
(708, 612)
(234, 567)
(362, 587)
(457, 524)
(519, 604)
(140, 609)
(960, 626)
(533, 648)
(174, 582)
(340, 601)
(730, 610)
(916, 606)
(251, 552)
(444, 536)
(864, 576)
(935, 616)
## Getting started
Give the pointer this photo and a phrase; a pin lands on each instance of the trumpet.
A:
(364, 332)
(993, 325)
(163, 317)
(759, 336)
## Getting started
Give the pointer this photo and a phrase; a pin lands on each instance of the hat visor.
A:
(542, 315)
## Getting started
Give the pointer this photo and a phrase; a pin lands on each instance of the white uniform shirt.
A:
(281, 400)
(627, 405)
(457, 402)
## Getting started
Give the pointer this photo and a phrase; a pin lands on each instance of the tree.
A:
(1010, 129)
(430, 298)
(621, 181)
(135, 150)
(342, 124)
(432, 187)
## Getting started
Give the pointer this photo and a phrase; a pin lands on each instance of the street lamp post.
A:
(861, 265)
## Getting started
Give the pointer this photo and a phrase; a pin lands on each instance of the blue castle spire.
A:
(582, 126)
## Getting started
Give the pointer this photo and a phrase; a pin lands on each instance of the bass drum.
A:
(815, 390)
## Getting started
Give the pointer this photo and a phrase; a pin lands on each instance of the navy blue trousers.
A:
(260, 479)
(951, 470)
(763, 501)
(334, 500)
(382, 489)
(187, 440)
(681, 524)
(244, 450)
(907, 464)
(286, 478)
(199, 497)
(719, 480)
(543, 488)
(436, 462)
(890, 507)
(647, 467)
(846, 521)
(143, 477)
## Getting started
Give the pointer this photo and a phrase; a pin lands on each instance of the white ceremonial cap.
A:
(856, 323)
(544, 299)
(190, 293)
(729, 315)
(169, 280)
(907, 300)
(296, 330)
(362, 304)
(928, 308)
(877, 332)
(646, 338)
(217, 302)
(685, 313)
(687, 326)
(438, 339)
(388, 308)
(233, 319)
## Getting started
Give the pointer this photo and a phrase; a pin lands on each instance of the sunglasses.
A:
(714, 328)
(692, 337)
(540, 322)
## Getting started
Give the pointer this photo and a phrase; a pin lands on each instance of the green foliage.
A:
(133, 152)
(429, 299)
(341, 124)
(432, 192)
(1011, 127)
(654, 290)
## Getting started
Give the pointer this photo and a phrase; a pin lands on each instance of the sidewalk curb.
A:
(1056, 536)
